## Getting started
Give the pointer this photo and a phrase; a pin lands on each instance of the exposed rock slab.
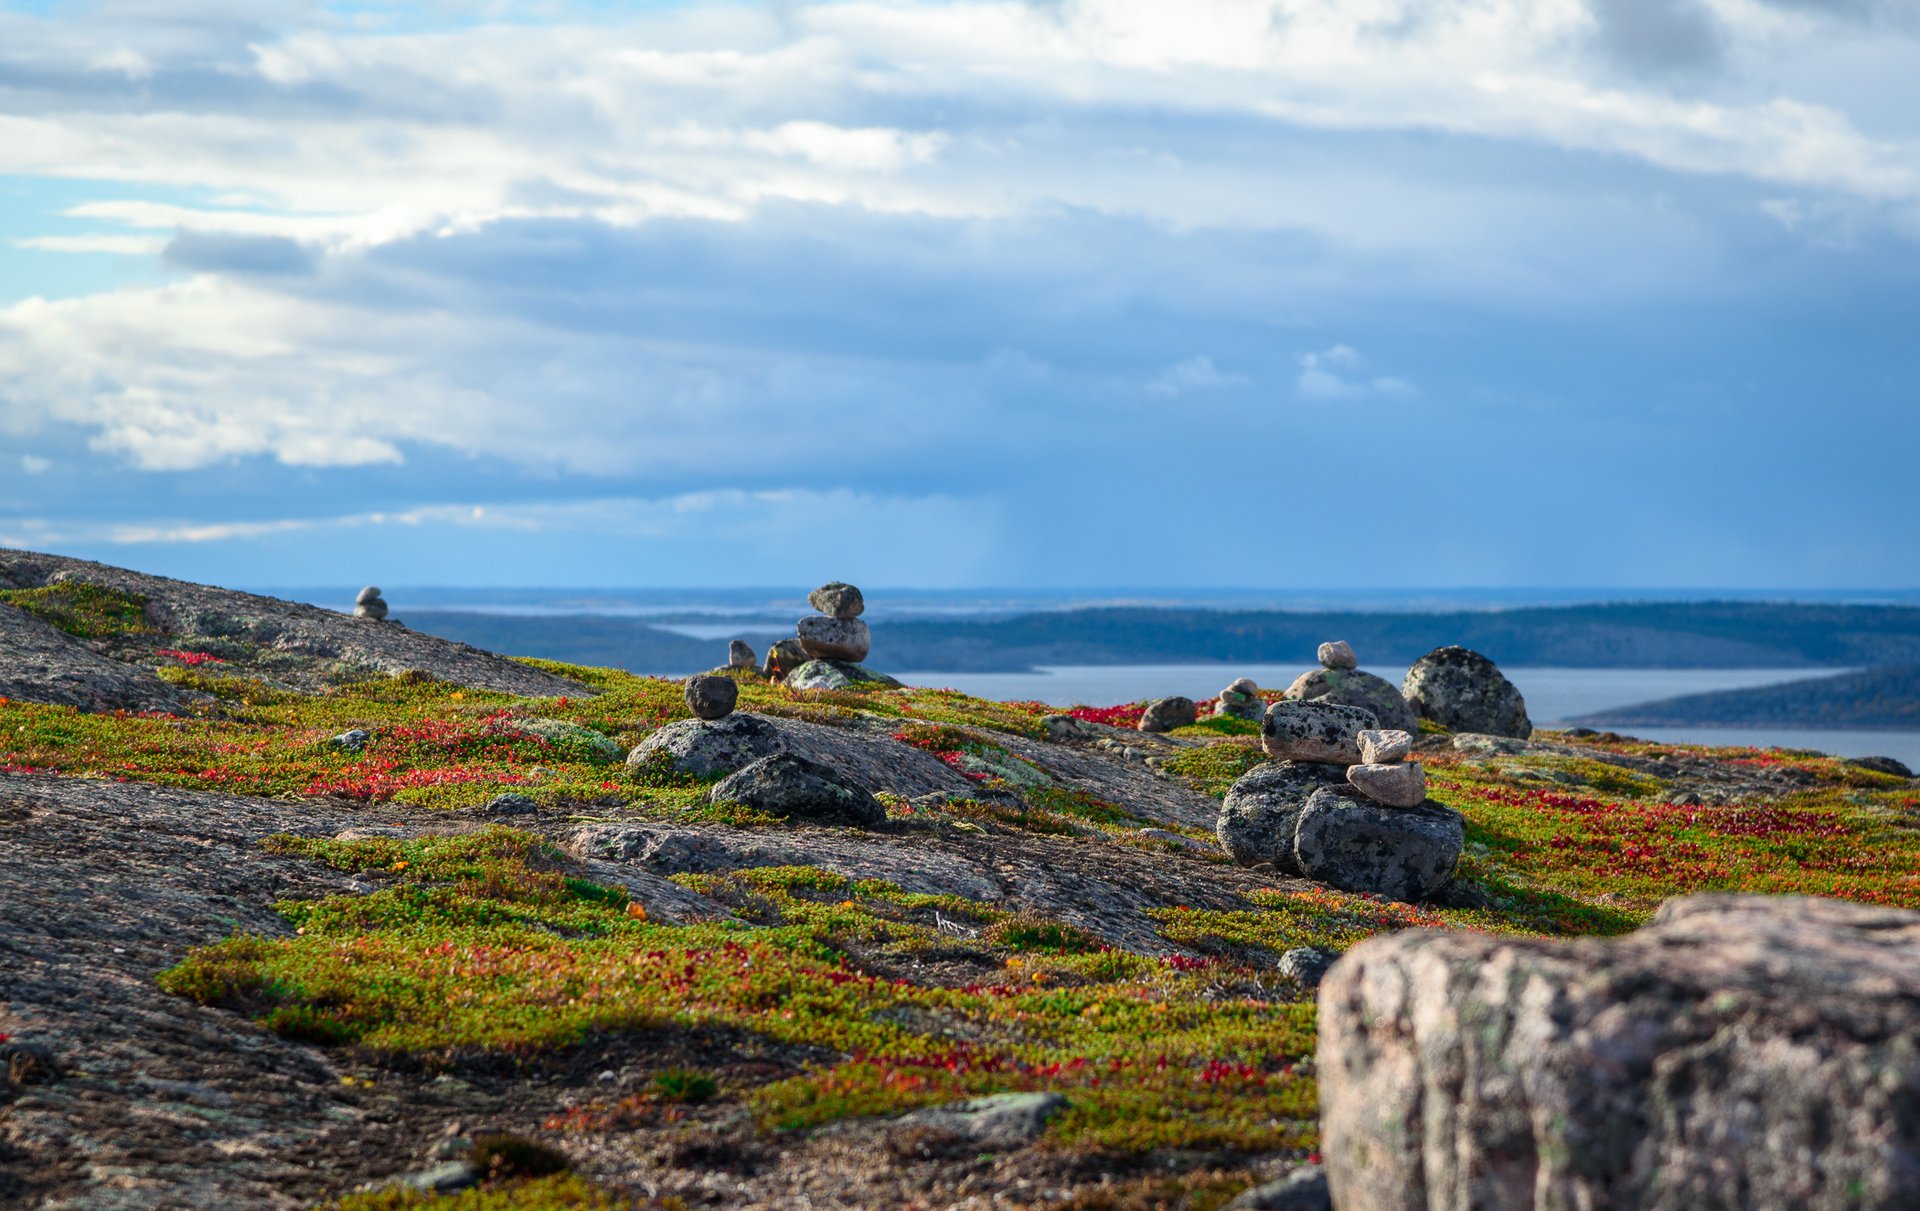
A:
(40, 663)
(1741, 1051)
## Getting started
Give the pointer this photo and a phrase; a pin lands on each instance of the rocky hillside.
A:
(314, 930)
(1871, 698)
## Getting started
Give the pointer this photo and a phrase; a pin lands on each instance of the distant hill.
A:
(1647, 635)
(1886, 698)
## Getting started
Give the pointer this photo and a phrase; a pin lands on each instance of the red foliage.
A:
(189, 658)
(1127, 714)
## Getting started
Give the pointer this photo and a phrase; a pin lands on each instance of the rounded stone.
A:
(1402, 853)
(1354, 687)
(370, 593)
(1305, 965)
(1262, 809)
(706, 748)
(740, 655)
(1338, 654)
(1165, 714)
(1396, 784)
(1315, 731)
(789, 786)
(711, 697)
(1463, 691)
(825, 638)
(838, 599)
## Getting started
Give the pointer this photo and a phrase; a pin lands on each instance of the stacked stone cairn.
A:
(1342, 805)
(1340, 679)
(829, 646)
(369, 604)
(1241, 700)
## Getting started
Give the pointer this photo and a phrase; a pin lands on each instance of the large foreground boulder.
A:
(1463, 691)
(1356, 687)
(1739, 1051)
(1262, 810)
(1350, 842)
(704, 748)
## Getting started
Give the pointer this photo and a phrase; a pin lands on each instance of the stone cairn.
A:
(1241, 700)
(828, 647)
(369, 604)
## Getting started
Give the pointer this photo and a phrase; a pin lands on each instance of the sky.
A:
(1283, 294)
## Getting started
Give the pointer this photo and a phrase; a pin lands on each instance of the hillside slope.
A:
(1887, 698)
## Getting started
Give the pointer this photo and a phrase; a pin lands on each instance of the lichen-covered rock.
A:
(1165, 714)
(1463, 691)
(1241, 700)
(1338, 654)
(710, 696)
(1315, 731)
(1403, 853)
(824, 638)
(705, 748)
(740, 655)
(1396, 784)
(837, 675)
(1307, 965)
(1356, 687)
(571, 739)
(1740, 1051)
(1262, 810)
(791, 786)
(838, 599)
(784, 656)
(997, 1121)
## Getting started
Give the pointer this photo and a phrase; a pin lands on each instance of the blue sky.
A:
(1283, 294)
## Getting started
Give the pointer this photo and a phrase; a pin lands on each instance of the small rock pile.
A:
(1241, 700)
(1339, 679)
(369, 604)
(829, 646)
(1341, 805)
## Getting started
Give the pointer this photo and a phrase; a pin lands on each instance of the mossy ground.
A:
(493, 947)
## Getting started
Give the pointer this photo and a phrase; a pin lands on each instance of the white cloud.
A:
(1196, 373)
(1339, 373)
(33, 464)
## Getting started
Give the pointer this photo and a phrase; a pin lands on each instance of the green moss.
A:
(89, 611)
(541, 1194)
(1216, 767)
(1219, 725)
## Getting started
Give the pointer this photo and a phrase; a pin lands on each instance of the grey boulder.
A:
(1315, 731)
(1305, 1189)
(1463, 691)
(1402, 853)
(1307, 965)
(1399, 784)
(510, 804)
(1338, 655)
(1262, 810)
(791, 786)
(837, 675)
(1380, 746)
(998, 1121)
(740, 655)
(824, 638)
(1738, 1051)
(1165, 714)
(705, 748)
(375, 609)
(370, 593)
(710, 696)
(838, 599)
(1355, 687)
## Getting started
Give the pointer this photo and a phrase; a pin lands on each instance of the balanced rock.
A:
(783, 657)
(1463, 691)
(740, 655)
(837, 675)
(710, 696)
(1402, 853)
(1165, 714)
(1315, 731)
(825, 638)
(1262, 811)
(1398, 784)
(1356, 687)
(369, 594)
(1241, 700)
(790, 786)
(1380, 746)
(706, 748)
(837, 599)
(1338, 655)
(1738, 1051)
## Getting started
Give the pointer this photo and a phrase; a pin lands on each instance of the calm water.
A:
(1553, 695)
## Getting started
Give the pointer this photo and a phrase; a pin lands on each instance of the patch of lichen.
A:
(87, 611)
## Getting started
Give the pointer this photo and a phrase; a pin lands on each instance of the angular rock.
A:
(837, 675)
(1402, 853)
(1381, 746)
(1739, 1051)
(1463, 691)
(1262, 810)
(838, 599)
(1305, 1189)
(354, 741)
(998, 1121)
(824, 638)
(790, 786)
(1400, 784)
(740, 655)
(706, 748)
(710, 696)
(1338, 655)
(1355, 687)
(1165, 714)
(1315, 731)
(1241, 700)
(1307, 965)
(784, 656)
